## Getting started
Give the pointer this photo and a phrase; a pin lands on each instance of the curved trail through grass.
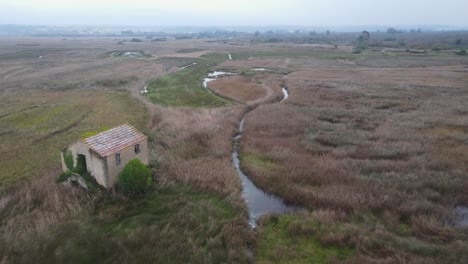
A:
(258, 201)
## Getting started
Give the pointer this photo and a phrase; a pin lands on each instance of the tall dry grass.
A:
(369, 149)
(238, 88)
(35, 208)
(194, 145)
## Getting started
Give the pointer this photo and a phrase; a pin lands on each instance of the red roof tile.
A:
(113, 140)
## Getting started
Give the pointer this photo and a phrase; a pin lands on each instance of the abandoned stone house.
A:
(105, 154)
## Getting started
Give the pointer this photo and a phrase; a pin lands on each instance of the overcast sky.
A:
(235, 12)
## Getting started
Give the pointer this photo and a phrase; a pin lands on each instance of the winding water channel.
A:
(258, 201)
(212, 76)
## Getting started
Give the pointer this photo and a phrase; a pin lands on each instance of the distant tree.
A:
(365, 36)
(312, 33)
(362, 42)
(392, 30)
(127, 32)
(136, 40)
(328, 32)
(257, 34)
(462, 52)
(459, 41)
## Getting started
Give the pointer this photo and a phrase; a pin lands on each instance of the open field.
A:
(373, 145)
(49, 103)
(183, 88)
(35, 126)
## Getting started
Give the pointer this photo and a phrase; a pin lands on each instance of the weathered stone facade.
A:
(107, 153)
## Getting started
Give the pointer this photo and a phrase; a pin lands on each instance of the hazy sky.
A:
(235, 12)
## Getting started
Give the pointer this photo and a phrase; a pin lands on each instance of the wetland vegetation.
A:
(372, 145)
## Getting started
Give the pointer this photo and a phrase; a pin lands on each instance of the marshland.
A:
(266, 147)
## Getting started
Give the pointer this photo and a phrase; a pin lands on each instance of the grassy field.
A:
(183, 88)
(189, 50)
(173, 223)
(295, 239)
(194, 214)
(295, 53)
(374, 144)
(35, 126)
(238, 88)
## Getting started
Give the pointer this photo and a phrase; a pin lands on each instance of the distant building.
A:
(105, 154)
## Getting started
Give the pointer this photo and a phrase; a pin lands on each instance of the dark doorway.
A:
(81, 167)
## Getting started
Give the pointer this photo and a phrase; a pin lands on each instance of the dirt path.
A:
(135, 90)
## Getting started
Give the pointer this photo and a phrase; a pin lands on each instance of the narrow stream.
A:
(258, 201)
(144, 90)
(213, 76)
(285, 93)
(186, 66)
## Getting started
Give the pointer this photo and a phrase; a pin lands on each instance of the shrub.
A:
(462, 52)
(134, 178)
(68, 159)
(64, 176)
(357, 50)
(80, 167)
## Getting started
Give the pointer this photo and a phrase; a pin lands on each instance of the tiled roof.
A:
(113, 140)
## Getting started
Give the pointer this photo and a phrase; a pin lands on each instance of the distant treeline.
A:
(415, 37)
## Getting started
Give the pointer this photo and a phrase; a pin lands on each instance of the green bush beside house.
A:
(135, 178)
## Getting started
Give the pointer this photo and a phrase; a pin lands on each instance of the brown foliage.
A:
(346, 148)
(238, 88)
(36, 207)
(194, 146)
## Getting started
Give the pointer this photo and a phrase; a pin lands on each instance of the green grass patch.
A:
(44, 118)
(33, 137)
(257, 160)
(189, 50)
(172, 224)
(169, 62)
(23, 55)
(88, 134)
(293, 53)
(184, 88)
(277, 244)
